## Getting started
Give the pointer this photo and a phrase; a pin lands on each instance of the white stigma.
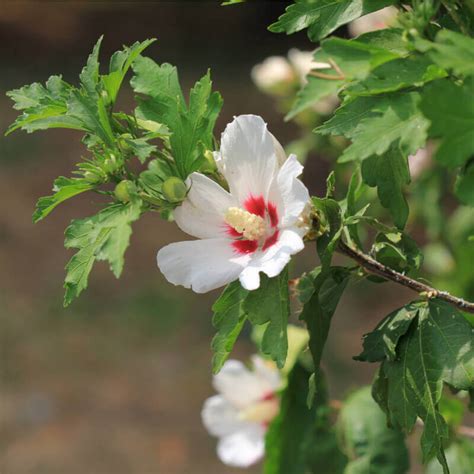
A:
(251, 226)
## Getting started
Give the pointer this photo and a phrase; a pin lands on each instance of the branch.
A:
(377, 268)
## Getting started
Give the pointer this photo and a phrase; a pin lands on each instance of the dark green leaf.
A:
(64, 188)
(413, 71)
(437, 347)
(229, 318)
(396, 121)
(390, 174)
(270, 305)
(319, 309)
(322, 17)
(449, 108)
(104, 236)
(464, 187)
(330, 215)
(371, 446)
(300, 437)
(451, 50)
(90, 73)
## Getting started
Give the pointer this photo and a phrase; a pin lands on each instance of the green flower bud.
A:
(174, 189)
(209, 166)
(110, 164)
(125, 190)
(92, 177)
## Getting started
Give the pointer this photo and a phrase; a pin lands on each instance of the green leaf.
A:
(397, 251)
(270, 305)
(390, 174)
(64, 188)
(382, 342)
(120, 63)
(451, 50)
(354, 58)
(89, 75)
(322, 17)
(104, 236)
(229, 318)
(371, 446)
(319, 309)
(413, 71)
(460, 457)
(449, 108)
(464, 187)
(191, 126)
(43, 107)
(301, 437)
(330, 215)
(141, 148)
(437, 348)
(347, 117)
(396, 122)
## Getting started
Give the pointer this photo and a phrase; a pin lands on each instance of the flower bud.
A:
(110, 164)
(93, 177)
(209, 165)
(174, 189)
(125, 190)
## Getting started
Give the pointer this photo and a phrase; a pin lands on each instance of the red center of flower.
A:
(267, 210)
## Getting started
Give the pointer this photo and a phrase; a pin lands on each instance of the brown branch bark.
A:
(373, 266)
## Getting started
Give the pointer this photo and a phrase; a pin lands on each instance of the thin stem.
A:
(453, 13)
(373, 266)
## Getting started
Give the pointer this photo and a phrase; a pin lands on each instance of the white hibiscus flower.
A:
(253, 228)
(377, 20)
(239, 416)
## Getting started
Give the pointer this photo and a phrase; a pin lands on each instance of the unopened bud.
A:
(174, 189)
(125, 190)
(209, 165)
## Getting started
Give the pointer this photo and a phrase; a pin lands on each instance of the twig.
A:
(466, 431)
(451, 9)
(377, 268)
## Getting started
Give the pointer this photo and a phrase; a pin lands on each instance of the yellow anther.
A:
(251, 226)
(260, 412)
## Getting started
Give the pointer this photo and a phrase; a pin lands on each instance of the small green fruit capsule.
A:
(209, 166)
(124, 190)
(174, 189)
(92, 177)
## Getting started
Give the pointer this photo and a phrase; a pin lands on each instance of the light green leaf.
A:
(396, 121)
(322, 17)
(120, 63)
(371, 446)
(190, 126)
(43, 107)
(229, 318)
(460, 457)
(104, 236)
(449, 108)
(64, 188)
(90, 73)
(270, 305)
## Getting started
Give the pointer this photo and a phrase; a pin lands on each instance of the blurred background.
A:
(115, 383)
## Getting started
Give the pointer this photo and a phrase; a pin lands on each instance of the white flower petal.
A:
(289, 193)
(250, 278)
(220, 417)
(248, 157)
(279, 151)
(267, 371)
(202, 265)
(239, 385)
(273, 261)
(201, 214)
(244, 448)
